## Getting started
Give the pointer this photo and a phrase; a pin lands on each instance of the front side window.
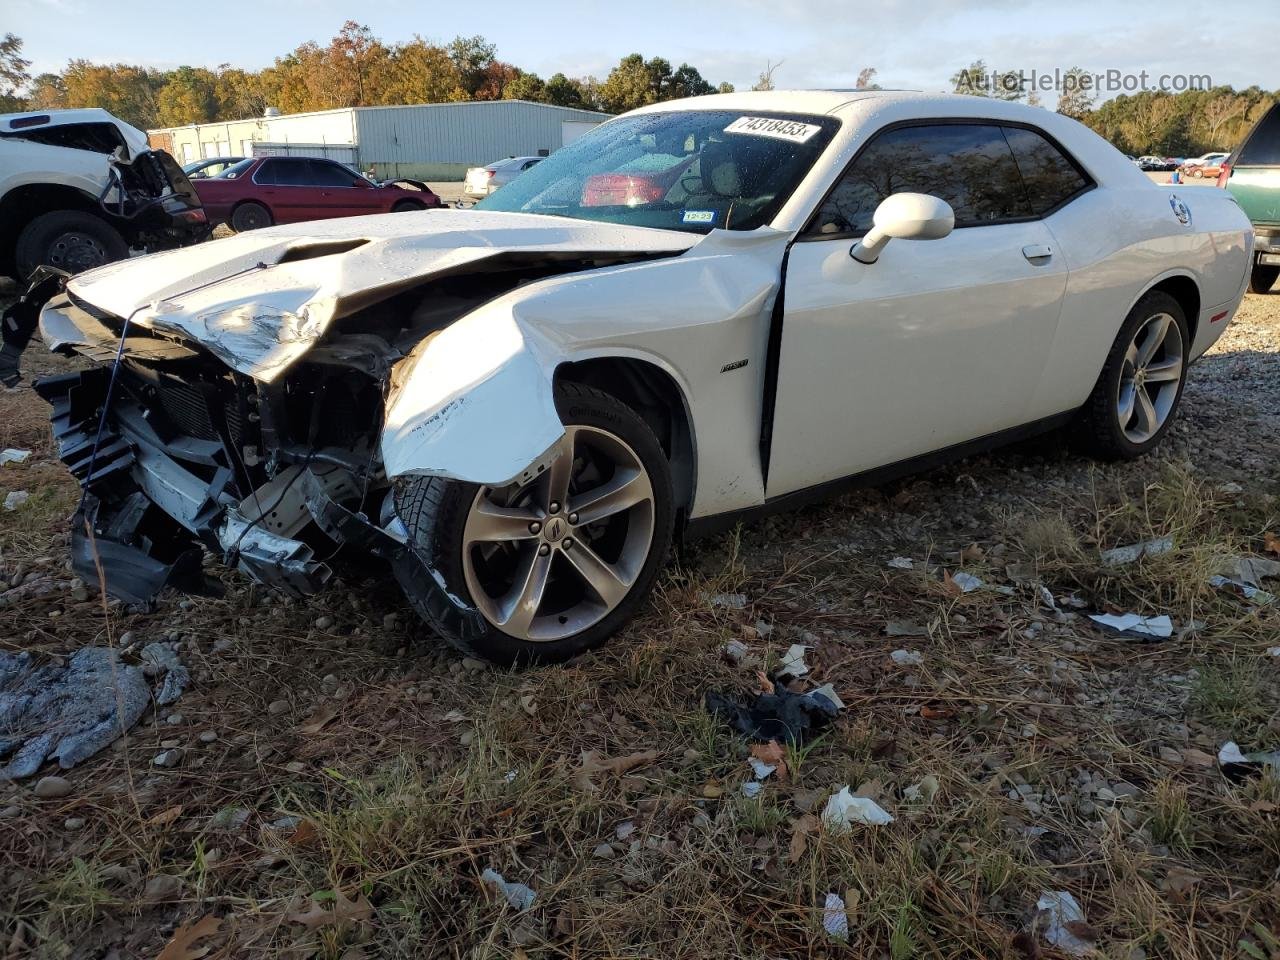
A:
(326, 174)
(969, 165)
(692, 170)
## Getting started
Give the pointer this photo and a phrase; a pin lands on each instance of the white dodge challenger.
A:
(700, 310)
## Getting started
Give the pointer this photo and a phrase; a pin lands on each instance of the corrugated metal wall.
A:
(397, 140)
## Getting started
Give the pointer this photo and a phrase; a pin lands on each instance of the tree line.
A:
(1183, 124)
(356, 68)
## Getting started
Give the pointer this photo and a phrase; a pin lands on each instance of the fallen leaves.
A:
(594, 762)
(1271, 543)
(800, 830)
(166, 816)
(321, 720)
(345, 910)
(772, 754)
(182, 945)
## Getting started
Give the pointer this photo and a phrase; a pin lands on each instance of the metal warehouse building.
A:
(429, 141)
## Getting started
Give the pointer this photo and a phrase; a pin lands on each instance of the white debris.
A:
(902, 563)
(11, 455)
(967, 582)
(15, 499)
(1230, 488)
(1273, 651)
(924, 791)
(761, 769)
(1250, 570)
(1160, 627)
(1046, 597)
(907, 658)
(1059, 909)
(829, 691)
(516, 894)
(1118, 556)
(1231, 753)
(1255, 595)
(736, 651)
(834, 918)
(730, 601)
(751, 789)
(843, 810)
(793, 661)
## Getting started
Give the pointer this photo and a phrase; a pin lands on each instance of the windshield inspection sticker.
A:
(699, 216)
(792, 130)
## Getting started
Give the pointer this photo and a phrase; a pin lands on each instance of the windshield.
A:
(686, 170)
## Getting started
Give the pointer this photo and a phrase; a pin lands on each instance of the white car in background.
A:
(699, 311)
(482, 181)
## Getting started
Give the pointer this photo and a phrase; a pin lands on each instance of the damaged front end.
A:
(191, 456)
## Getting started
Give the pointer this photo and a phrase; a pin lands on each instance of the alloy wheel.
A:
(552, 558)
(1150, 378)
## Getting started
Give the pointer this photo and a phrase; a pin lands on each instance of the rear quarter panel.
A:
(1120, 242)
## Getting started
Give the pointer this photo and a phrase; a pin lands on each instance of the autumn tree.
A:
(867, 79)
(13, 73)
(527, 86)
(127, 91)
(473, 56)
(420, 72)
(1076, 97)
(47, 92)
(765, 80)
(189, 95)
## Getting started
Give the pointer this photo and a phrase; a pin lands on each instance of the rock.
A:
(74, 823)
(11, 811)
(468, 737)
(162, 886)
(167, 759)
(277, 707)
(173, 719)
(329, 684)
(208, 736)
(295, 766)
(222, 646)
(51, 788)
(389, 621)
(472, 665)
(323, 623)
(603, 852)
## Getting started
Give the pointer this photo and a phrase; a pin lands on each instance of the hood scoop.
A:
(321, 248)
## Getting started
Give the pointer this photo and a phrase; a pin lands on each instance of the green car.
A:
(1252, 174)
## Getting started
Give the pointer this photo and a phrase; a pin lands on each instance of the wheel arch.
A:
(1185, 290)
(652, 392)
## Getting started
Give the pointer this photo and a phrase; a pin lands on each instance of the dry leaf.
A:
(594, 762)
(1078, 928)
(772, 754)
(936, 713)
(305, 832)
(972, 554)
(166, 816)
(315, 917)
(949, 584)
(1179, 881)
(1270, 543)
(1198, 758)
(712, 789)
(344, 910)
(320, 720)
(180, 947)
(800, 831)
(766, 685)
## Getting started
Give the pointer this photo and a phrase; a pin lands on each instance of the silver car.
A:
(482, 181)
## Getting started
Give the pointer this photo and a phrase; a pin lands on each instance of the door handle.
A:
(1037, 251)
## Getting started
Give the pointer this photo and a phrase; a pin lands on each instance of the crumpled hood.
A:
(261, 300)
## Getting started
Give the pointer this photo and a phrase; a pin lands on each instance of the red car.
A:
(261, 191)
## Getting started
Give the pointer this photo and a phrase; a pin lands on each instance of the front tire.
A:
(1137, 394)
(557, 566)
(69, 240)
(406, 206)
(1262, 278)
(250, 215)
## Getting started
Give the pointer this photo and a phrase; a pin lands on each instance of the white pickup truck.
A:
(80, 188)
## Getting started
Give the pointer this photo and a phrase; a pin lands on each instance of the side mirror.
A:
(904, 216)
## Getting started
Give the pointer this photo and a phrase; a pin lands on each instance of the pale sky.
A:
(915, 44)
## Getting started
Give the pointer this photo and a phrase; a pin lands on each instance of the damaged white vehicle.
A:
(699, 310)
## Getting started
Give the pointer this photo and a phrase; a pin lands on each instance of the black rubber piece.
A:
(37, 237)
(1097, 430)
(434, 510)
(1262, 278)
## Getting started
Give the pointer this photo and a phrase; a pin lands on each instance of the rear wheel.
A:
(250, 215)
(557, 565)
(1137, 394)
(69, 240)
(404, 206)
(1262, 278)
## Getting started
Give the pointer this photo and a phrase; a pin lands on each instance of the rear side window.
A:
(1262, 147)
(283, 173)
(267, 172)
(1050, 178)
(969, 165)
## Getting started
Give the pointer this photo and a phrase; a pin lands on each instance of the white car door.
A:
(940, 341)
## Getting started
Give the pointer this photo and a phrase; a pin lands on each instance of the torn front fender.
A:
(475, 397)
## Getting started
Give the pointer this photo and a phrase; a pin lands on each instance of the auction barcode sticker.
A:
(792, 130)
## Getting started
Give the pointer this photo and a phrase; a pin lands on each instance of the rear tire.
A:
(1262, 278)
(405, 206)
(1138, 392)
(69, 240)
(622, 546)
(250, 215)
